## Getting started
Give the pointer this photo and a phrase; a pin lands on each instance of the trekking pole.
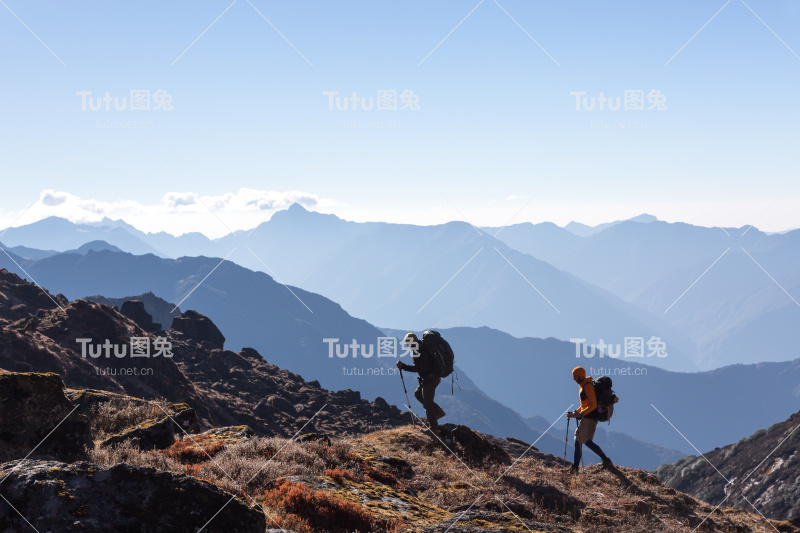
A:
(566, 440)
(408, 402)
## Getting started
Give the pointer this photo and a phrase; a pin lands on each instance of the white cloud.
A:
(179, 212)
(53, 198)
(175, 212)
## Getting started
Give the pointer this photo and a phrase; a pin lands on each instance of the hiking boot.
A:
(573, 470)
(439, 413)
(607, 462)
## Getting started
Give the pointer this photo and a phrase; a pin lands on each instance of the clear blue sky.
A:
(496, 121)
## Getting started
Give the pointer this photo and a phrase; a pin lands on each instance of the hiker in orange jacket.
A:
(586, 416)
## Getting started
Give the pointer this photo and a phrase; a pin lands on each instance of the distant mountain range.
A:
(582, 230)
(256, 311)
(520, 373)
(638, 277)
(733, 291)
(533, 377)
(415, 276)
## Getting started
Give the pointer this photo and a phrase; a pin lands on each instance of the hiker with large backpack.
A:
(597, 404)
(433, 360)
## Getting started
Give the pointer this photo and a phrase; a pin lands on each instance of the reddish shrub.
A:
(339, 475)
(323, 512)
(291, 522)
(189, 451)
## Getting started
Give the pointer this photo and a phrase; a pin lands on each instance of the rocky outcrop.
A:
(198, 328)
(228, 435)
(54, 496)
(134, 309)
(20, 299)
(159, 433)
(32, 405)
(764, 469)
(225, 388)
(161, 311)
(471, 446)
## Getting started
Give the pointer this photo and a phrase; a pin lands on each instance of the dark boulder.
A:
(198, 328)
(55, 496)
(157, 434)
(31, 406)
(134, 309)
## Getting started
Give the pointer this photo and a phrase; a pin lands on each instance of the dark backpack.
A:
(443, 355)
(605, 398)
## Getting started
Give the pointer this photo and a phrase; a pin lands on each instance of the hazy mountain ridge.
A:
(532, 376)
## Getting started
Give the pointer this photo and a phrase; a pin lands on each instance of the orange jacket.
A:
(588, 398)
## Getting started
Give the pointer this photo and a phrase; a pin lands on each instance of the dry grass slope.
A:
(405, 480)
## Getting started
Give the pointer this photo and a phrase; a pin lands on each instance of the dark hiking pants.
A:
(425, 392)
